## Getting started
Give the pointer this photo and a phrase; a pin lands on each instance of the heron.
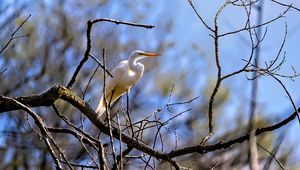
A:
(124, 76)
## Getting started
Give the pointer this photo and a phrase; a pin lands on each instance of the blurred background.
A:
(56, 43)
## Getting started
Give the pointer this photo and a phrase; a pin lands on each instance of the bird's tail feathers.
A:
(101, 109)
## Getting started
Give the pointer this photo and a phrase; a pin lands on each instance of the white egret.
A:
(125, 74)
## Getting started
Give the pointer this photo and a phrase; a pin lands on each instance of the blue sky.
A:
(188, 31)
(272, 100)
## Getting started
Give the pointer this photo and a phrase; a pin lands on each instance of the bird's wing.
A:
(117, 73)
(110, 85)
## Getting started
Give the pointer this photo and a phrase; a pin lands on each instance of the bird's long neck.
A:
(132, 61)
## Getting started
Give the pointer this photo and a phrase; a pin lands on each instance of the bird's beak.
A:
(150, 54)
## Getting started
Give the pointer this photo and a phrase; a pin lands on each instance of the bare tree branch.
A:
(272, 155)
(219, 76)
(199, 16)
(12, 36)
(41, 125)
(60, 92)
(281, 15)
(286, 5)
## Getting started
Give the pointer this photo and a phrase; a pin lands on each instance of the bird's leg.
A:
(127, 112)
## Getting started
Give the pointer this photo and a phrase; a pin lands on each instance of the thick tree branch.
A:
(60, 92)
(224, 145)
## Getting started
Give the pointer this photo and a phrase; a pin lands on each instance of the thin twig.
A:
(120, 161)
(123, 22)
(65, 119)
(253, 46)
(257, 26)
(12, 36)
(286, 5)
(199, 16)
(273, 155)
(85, 139)
(2, 71)
(128, 114)
(102, 159)
(123, 154)
(107, 109)
(82, 118)
(81, 166)
(89, 82)
(290, 97)
(99, 64)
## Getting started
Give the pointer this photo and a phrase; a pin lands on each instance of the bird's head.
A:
(136, 55)
(141, 54)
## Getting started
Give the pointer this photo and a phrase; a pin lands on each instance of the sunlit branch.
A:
(59, 92)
